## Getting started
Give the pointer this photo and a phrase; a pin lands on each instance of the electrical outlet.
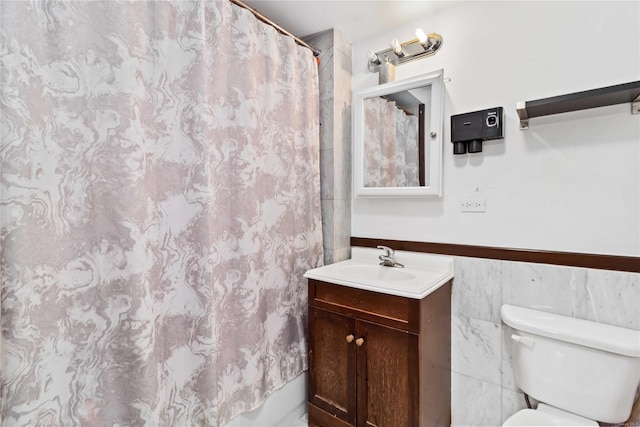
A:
(473, 205)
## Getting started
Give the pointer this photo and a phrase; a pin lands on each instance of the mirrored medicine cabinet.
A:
(398, 138)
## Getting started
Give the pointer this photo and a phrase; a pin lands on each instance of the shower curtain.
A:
(391, 145)
(160, 202)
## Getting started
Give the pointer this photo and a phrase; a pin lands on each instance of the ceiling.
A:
(356, 19)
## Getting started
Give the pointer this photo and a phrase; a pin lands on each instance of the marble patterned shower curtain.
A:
(160, 202)
(391, 145)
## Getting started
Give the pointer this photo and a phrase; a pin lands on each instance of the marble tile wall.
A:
(335, 142)
(483, 389)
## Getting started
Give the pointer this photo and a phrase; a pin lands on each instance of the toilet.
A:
(580, 371)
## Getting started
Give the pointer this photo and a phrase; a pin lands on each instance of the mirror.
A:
(398, 138)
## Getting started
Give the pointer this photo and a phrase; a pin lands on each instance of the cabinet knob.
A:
(350, 338)
(359, 342)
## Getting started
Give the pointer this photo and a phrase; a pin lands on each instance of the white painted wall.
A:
(569, 183)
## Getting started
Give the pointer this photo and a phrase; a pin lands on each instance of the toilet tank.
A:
(584, 367)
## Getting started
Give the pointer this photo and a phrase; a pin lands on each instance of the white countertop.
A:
(422, 275)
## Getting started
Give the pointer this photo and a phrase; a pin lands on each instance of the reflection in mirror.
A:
(394, 151)
(398, 138)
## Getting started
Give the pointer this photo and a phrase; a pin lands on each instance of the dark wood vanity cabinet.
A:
(378, 360)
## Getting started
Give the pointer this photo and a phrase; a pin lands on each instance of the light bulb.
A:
(397, 48)
(373, 58)
(422, 37)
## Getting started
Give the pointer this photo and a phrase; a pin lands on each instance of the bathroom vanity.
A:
(380, 356)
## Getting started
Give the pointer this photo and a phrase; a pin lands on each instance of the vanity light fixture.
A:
(422, 46)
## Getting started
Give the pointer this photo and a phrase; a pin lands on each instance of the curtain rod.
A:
(266, 20)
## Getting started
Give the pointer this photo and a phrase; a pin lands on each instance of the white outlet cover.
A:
(473, 205)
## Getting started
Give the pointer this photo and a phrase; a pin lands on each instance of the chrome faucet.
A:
(388, 259)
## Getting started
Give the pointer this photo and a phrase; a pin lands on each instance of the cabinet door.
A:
(387, 377)
(332, 362)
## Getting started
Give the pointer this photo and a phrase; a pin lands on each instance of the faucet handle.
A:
(387, 250)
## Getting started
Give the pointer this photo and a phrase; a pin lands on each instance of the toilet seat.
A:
(546, 415)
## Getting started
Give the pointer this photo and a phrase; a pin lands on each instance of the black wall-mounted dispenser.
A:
(470, 129)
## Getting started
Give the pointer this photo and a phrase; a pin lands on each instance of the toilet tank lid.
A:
(613, 339)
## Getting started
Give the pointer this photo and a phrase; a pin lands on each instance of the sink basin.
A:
(375, 272)
(423, 273)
